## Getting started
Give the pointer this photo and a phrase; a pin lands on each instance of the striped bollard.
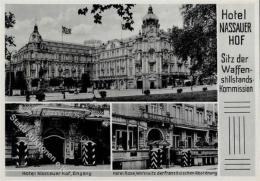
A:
(184, 159)
(160, 158)
(154, 160)
(89, 153)
(84, 154)
(189, 158)
(21, 154)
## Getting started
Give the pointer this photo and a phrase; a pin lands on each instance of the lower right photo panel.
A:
(165, 136)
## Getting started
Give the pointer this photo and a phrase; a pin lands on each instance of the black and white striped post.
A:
(89, 153)
(156, 155)
(184, 159)
(153, 159)
(189, 157)
(21, 154)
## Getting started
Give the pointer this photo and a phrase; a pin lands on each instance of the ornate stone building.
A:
(49, 59)
(177, 127)
(145, 61)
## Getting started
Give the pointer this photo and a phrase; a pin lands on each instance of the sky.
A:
(50, 18)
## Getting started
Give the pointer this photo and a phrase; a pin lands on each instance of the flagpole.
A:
(61, 36)
(121, 30)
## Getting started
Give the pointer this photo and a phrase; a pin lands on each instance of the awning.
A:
(129, 122)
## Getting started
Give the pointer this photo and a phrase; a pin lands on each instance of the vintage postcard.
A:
(130, 89)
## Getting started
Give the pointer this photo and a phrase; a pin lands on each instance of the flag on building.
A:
(123, 26)
(66, 30)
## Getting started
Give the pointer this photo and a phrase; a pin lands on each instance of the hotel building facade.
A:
(138, 128)
(145, 61)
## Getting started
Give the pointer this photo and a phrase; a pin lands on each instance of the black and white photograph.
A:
(165, 136)
(57, 137)
(110, 52)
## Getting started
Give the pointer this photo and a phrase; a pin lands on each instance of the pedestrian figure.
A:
(27, 96)
(64, 94)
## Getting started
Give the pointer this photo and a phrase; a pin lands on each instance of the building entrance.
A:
(152, 86)
(54, 143)
(154, 135)
(139, 84)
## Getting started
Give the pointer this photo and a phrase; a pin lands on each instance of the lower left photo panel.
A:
(57, 136)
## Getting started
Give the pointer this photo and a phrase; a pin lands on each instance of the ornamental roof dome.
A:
(35, 36)
(150, 15)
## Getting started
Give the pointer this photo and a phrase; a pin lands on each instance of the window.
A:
(175, 141)
(190, 115)
(121, 139)
(173, 111)
(186, 115)
(151, 67)
(178, 112)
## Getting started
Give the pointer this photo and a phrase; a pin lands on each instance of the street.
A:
(58, 96)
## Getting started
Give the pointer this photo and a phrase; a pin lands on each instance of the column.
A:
(127, 136)
(138, 136)
(213, 113)
(205, 112)
(195, 136)
(207, 136)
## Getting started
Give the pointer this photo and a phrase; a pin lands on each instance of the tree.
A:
(54, 82)
(20, 82)
(35, 82)
(7, 80)
(197, 40)
(123, 10)
(9, 40)
(69, 82)
(85, 82)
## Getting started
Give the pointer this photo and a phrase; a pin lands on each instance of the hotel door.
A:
(139, 84)
(189, 145)
(124, 140)
(152, 86)
(55, 145)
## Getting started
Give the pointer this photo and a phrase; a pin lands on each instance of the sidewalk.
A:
(63, 166)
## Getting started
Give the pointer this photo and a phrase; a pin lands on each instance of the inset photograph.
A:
(57, 137)
(165, 136)
(111, 52)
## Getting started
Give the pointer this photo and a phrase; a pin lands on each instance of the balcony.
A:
(183, 123)
(156, 117)
(152, 60)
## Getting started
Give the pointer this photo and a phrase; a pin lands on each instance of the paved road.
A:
(110, 93)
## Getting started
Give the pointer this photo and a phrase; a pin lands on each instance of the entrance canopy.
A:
(159, 142)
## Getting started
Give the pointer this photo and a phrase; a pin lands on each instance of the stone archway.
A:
(54, 142)
(155, 134)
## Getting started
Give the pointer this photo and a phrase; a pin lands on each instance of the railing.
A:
(191, 123)
(176, 121)
(199, 151)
